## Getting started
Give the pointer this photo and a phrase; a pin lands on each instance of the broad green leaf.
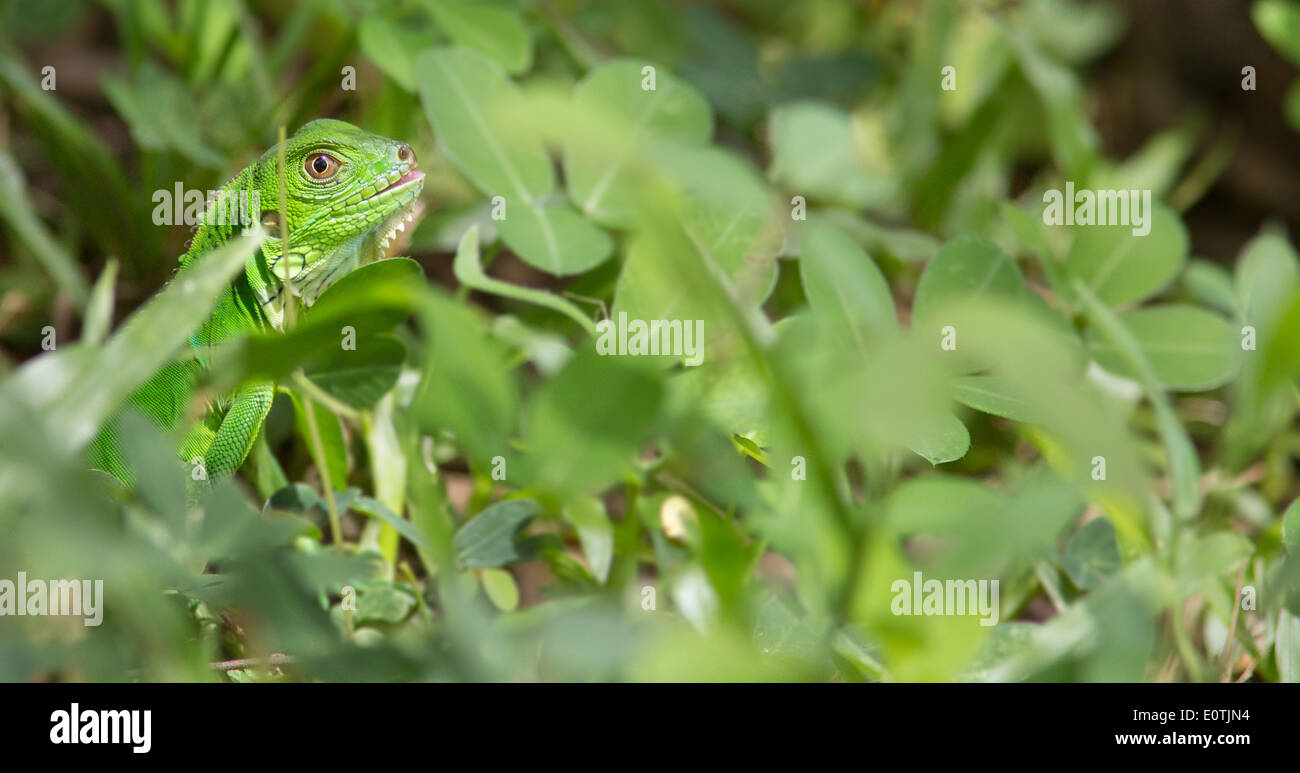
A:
(392, 47)
(467, 387)
(376, 509)
(996, 395)
(490, 539)
(600, 176)
(845, 287)
(474, 108)
(359, 377)
(731, 392)
(818, 154)
(941, 439)
(965, 269)
(331, 456)
(586, 425)
(1123, 268)
(1210, 284)
(556, 240)
(1092, 554)
(595, 533)
(493, 30)
(1267, 272)
(1189, 348)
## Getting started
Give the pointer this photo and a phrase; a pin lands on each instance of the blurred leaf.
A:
(469, 101)
(392, 47)
(845, 287)
(1123, 268)
(586, 424)
(500, 588)
(600, 176)
(466, 387)
(1278, 21)
(331, 459)
(494, 30)
(940, 439)
(595, 532)
(1189, 349)
(359, 377)
(1092, 554)
(554, 239)
(16, 210)
(816, 154)
(490, 539)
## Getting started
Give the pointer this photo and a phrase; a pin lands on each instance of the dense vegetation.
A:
(904, 368)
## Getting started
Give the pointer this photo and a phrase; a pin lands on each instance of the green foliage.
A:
(1097, 438)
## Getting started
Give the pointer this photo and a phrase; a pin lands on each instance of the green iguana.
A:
(348, 193)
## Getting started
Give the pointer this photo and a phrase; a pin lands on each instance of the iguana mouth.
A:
(409, 177)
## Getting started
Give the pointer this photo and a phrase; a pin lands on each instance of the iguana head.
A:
(348, 193)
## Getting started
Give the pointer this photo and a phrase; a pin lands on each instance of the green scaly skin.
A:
(338, 219)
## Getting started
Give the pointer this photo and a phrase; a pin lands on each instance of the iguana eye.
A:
(321, 166)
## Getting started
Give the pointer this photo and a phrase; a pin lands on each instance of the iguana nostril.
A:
(404, 153)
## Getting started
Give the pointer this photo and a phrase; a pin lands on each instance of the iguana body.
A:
(348, 192)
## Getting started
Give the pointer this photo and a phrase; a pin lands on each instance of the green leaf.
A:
(500, 588)
(554, 239)
(495, 31)
(391, 47)
(845, 287)
(474, 108)
(358, 377)
(1092, 554)
(586, 425)
(468, 267)
(161, 113)
(16, 210)
(146, 342)
(1122, 268)
(996, 395)
(964, 270)
(1278, 21)
(601, 176)
(333, 465)
(1286, 648)
(815, 154)
(1180, 455)
(595, 532)
(1189, 348)
(376, 509)
(1267, 273)
(1291, 527)
(490, 539)
(940, 439)
(380, 602)
(467, 386)
(99, 309)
